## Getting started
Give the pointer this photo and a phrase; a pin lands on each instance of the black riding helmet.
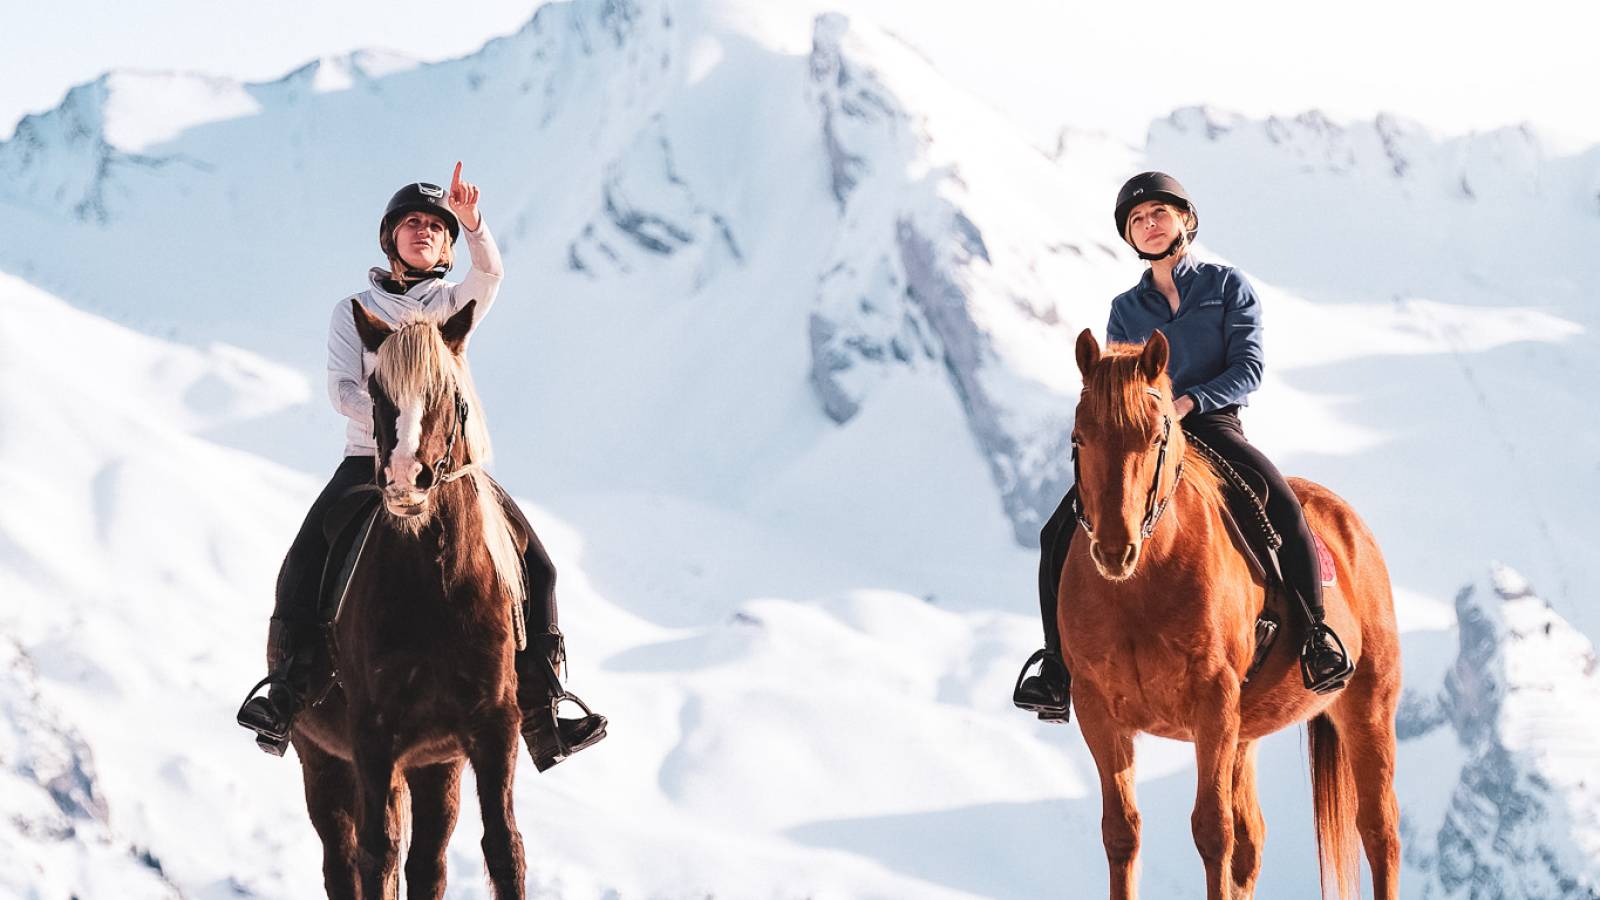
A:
(1147, 186)
(416, 197)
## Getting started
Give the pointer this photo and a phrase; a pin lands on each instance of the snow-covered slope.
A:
(783, 359)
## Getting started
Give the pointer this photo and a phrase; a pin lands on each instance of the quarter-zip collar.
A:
(1183, 275)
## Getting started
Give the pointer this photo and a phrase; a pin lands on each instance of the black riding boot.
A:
(1048, 693)
(551, 738)
(270, 715)
(1325, 665)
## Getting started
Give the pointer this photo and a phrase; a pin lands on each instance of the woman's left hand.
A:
(1184, 405)
(464, 201)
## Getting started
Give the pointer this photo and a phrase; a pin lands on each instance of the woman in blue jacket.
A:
(1211, 318)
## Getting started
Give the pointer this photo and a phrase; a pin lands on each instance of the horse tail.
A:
(400, 821)
(1333, 796)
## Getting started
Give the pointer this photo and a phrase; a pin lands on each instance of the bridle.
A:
(1153, 509)
(440, 475)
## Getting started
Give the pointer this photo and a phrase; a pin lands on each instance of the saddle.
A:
(1245, 491)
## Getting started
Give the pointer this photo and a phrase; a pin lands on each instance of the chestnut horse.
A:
(1157, 612)
(424, 639)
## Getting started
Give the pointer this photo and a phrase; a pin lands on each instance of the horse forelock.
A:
(414, 364)
(1117, 395)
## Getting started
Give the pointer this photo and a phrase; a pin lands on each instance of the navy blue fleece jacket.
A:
(1215, 335)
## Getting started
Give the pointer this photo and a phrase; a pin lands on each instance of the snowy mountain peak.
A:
(1510, 161)
(71, 159)
(337, 73)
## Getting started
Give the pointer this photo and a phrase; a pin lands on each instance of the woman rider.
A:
(417, 234)
(1211, 318)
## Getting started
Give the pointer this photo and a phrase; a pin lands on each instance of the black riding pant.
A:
(300, 578)
(1221, 431)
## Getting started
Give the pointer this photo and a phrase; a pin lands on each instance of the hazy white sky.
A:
(1111, 65)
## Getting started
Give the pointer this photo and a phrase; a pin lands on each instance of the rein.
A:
(1153, 509)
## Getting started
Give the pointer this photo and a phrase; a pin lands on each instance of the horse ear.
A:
(1153, 361)
(1088, 352)
(373, 330)
(457, 327)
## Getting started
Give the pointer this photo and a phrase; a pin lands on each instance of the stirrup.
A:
(259, 715)
(1333, 680)
(1037, 695)
(542, 730)
(546, 742)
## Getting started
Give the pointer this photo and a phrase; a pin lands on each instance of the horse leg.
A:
(435, 800)
(377, 836)
(1112, 748)
(1249, 831)
(1216, 747)
(1367, 732)
(493, 752)
(330, 801)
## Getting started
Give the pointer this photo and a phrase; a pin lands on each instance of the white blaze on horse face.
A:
(403, 465)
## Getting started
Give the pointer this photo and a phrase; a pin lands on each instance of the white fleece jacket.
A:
(349, 366)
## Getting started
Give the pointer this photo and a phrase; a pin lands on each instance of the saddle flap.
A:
(346, 526)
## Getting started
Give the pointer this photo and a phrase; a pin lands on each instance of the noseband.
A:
(1153, 509)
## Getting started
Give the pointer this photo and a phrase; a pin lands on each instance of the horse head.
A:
(422, 402)
(1123, 460)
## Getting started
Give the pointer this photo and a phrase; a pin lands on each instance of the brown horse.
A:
(1157, 616)
(425, 639)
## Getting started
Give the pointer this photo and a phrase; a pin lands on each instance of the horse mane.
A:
(415, 363)
(1116, 394)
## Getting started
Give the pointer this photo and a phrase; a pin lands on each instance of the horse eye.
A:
(1077, 439)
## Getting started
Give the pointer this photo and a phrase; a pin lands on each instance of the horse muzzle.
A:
(405, 503)
(1115, 560)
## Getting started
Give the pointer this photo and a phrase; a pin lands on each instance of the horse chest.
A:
(1144, 661)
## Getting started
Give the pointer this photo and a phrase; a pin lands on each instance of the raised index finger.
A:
(455, 180)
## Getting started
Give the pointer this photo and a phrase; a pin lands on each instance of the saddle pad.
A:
(1325, 562)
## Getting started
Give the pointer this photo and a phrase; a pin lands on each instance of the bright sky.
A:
(1110, 65)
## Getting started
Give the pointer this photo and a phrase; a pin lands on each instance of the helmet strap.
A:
(1178, 243)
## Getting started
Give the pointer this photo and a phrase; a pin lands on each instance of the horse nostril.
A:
(425, 478)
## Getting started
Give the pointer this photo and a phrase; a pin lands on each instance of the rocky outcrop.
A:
(51, 807)
(913, 284)
(1523, 700)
